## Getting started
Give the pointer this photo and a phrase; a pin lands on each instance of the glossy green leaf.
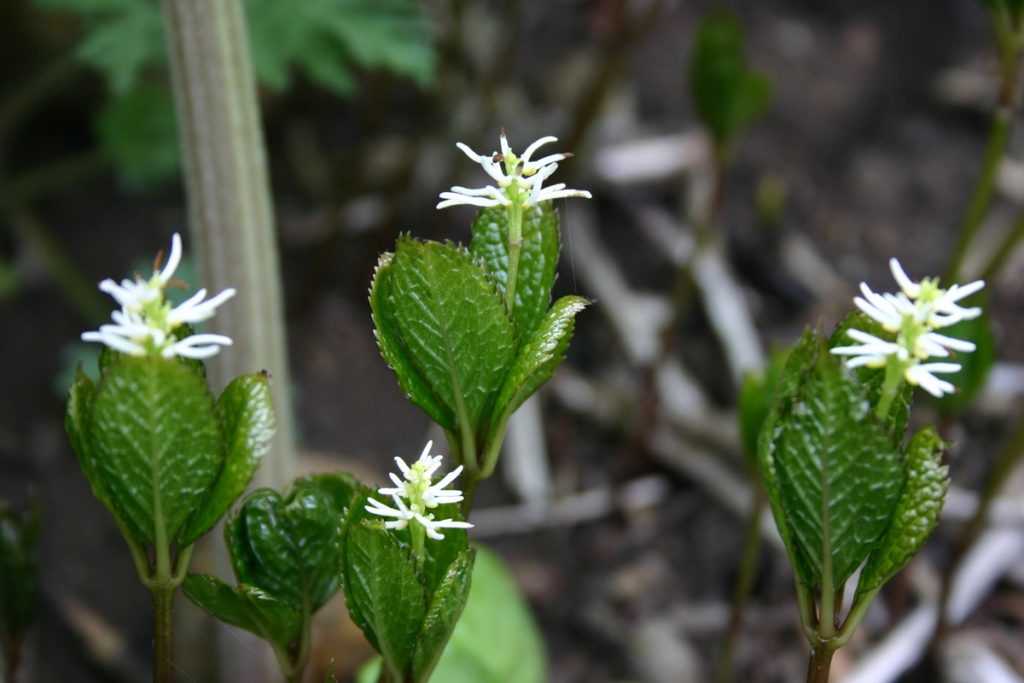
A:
(757, 395)
(974, 366)
(246, 607)
(290, 546)
(341, 487)
(382, 591)
(727, 94)
(494, 613)
(916, 513)
(246, 413)
(396, 353)
(538, 259)
(541, 355)
(446, 319)
(154, 423)
(835, 473)
(76, 424)
(439, 554)
(447, 603)
(19, 577)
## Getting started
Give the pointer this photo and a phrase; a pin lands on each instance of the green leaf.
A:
(541, 355)
(439, 554)
(916, 513)
(440, 308)
(289, 547)
(727, 95)
(974, 366)
(382, 591)
(494, 613)
(76, 424)
(832, 473)
(538, 259)
(342, 487)
(396, 354)
(757, 394)
(246, 413)
(19, 578)
(154, 423)
(447, 603)
(137, 131)
(246, 607)
(330, 38)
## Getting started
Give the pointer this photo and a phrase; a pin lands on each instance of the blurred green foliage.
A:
(727, 94)
(326, 41)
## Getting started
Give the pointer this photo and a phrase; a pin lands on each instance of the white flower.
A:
(422, 494)
(519, 179)
(912, 315)
(147, 323)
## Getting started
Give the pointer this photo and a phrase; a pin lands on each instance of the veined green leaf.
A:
(494, 613)
(288, 547)
(382, 591)
(246, 413)
(447, 603)
(831, 470)
(246, 607)
(755, 402)
(916, 514)
(414, 384)
(541, 355)
(451, 327)
(153, 420)
(538, 259)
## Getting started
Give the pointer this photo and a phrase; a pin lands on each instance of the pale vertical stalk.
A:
(232, 227)
(230, 213)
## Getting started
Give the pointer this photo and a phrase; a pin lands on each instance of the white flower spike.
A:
(415, 493)
(147, 324)
(519, 179)
(913, 314)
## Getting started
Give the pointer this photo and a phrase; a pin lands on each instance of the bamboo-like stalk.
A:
(230, 210)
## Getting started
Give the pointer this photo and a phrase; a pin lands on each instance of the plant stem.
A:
(163, 633)
(995, 148)
(820, 664)
(1003, 251)
(890, 387)
(1005, 463)
(228, 190)
(515, 245)
(748, 568)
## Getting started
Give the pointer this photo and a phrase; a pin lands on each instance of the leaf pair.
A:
(727, 95)
(842, 487)
(286, 554)
(406, 609)
(159, 453)
(458, 351)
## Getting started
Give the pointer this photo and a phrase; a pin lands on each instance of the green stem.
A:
(820, 664)
(515, 245)
(419, 551)
(857, 612)
(748, 568)
(163, 633)
(230, 211)
(1006, 463)
(995, 148)
(1003, 251)
(890, 387)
